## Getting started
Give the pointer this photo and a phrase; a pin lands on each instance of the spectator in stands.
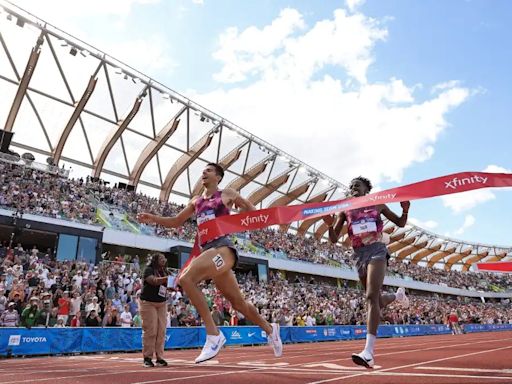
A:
(93, 319)
(126, 317)
(64, 307)
(60, 324)
(31, 313)
(218, 317)
(10, 317)
(137, 321)
(75, 320)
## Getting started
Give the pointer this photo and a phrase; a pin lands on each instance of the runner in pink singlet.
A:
(216, 261)
(365, 233)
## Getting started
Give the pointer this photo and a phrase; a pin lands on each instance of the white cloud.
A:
(469, 221)
(445, 85)
(352, 5)
(429, 224)
(283, 88)
(464, 201)
(198, 2)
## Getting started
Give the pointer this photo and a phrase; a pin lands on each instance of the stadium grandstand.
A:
(89, 142)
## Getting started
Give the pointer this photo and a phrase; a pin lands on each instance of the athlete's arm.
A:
(335, 224)
(390, 215)
(231, 197)
(169, 222)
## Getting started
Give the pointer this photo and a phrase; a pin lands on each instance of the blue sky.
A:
(445, 63)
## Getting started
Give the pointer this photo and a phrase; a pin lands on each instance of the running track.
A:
(473, 358)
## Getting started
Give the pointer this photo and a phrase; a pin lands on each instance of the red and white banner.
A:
(444, 185)
(500, 266)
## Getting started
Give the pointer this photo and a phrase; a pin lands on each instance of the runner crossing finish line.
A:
(444, 185)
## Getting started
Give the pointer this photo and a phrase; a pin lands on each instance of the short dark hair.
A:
(218, 169)
(364, 180)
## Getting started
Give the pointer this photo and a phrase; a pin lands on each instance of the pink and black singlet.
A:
(209, 209)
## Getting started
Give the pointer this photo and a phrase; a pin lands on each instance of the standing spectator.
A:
(31, 313)
(75, 304)
(137, 321)
(126, 317)
(3, 300)
(10, 317)
(75, 320)
(94, 306)
(218, 317)
(64, 304)
(52, 319)
(93, 319)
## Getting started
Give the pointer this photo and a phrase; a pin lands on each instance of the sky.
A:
(395, 90)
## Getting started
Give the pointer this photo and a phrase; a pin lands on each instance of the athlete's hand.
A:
(329, 220)
(145, 218)
(405, 205)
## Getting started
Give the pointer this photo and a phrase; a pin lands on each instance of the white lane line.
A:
(442, 375)
(486, 370)
(250, 371)
(413, 365)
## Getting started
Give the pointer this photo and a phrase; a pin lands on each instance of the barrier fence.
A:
(51, 341)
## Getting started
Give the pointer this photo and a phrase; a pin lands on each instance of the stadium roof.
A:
(65, 100)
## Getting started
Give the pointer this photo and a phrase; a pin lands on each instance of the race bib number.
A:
(162, 291)
(206, 216)
(363, 226)
(218, 261)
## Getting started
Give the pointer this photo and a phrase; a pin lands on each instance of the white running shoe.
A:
(364, 359)
(275, 340)
(212, 347)
(401, 297)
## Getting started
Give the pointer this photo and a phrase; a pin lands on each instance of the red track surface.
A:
(474, 358)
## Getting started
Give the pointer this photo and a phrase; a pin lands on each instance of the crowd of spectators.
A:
(32, 191)
(36, 290)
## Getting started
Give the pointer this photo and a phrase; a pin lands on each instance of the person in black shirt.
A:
(93, 320)
(152, 307)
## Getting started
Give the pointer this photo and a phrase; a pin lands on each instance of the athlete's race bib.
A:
(364, 226)
(206, 216)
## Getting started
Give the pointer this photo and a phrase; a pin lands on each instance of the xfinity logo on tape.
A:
(382, 197)
(320, 210)
(255, 220)
(455, 182)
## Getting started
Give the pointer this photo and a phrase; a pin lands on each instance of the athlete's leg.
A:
(226, 282)
(384, 299)
(209, 264)
(375, 279)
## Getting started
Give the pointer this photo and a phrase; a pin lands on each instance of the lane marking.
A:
(415, 364)
(484, 370)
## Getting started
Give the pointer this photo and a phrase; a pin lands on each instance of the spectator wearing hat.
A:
(10, 317)
(31, 313)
